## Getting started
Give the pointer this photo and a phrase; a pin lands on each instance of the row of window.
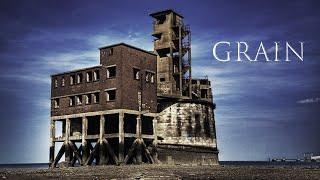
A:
(149, 75)
(87, 98)
(95, 76)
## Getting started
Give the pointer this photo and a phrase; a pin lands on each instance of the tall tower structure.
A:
(185, 125)
(172, 44)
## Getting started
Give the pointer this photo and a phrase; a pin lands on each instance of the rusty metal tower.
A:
(172, 44)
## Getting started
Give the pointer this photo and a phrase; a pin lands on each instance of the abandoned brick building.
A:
(137, 106)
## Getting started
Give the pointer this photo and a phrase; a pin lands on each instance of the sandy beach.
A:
(165, 172)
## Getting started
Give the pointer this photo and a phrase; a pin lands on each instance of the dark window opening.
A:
(79, 99)
(87, 98)
(204, 93)
(93, 125)
(204, 82)
(72, 79)
(110, 52)
(147, 125)
(79, 78)
(55, 83)
(161, 19)
(63, 82)
(111, 72)
(130, 123)
(71, 101)
(162, 79)
(96, 75)
(111, 95)
(136, 73)
(112, 123)
(76, 127)
(96, 98)
(89, 76)
(56, 103)
(150, 77)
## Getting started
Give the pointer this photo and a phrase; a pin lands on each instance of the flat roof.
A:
(76, 70)
(167, 11)
(130, 46)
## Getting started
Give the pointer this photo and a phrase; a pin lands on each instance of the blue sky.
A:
(264, 109)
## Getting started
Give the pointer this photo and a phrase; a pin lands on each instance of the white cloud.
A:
(71, 60)
(273, 49)
(309, 101)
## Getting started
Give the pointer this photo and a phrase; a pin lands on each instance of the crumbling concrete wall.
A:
(186, 134)
(187, 124)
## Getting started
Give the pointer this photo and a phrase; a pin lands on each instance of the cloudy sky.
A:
(264, 109)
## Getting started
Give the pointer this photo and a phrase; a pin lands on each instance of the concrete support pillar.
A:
(85, 147)
(102, 154)
(155, 132)
(138, 126)
(52, 143)
(102, 124)
(154, 152)
(121, 137)
(139, 141)
(68, 153)
(139, 151)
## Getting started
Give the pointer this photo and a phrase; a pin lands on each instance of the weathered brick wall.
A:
(125, 59)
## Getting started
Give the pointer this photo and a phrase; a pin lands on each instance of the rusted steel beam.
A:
(85, 149)
(59, 155)
(76, 153)
(110, 151)
(130, 152)
(147, 152)
(92, 154)
(52, 143)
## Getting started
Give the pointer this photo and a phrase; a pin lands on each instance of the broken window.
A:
(79, 78)
(55, 83)
(96, 98)
(110, 52)
(194, 81)
(152, 77)
(203, 82)
(79, 100)
(111, 94)
(111, 72)
(87, 98)
(96, 75)
(89, 76)
(136, 73)
(63, 82)
(72, 79)
(204, 93)
(56, 103)
(161, 19)
(147, 77)
(71, 101)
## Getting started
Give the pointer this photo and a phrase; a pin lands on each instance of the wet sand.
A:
(166, 172)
